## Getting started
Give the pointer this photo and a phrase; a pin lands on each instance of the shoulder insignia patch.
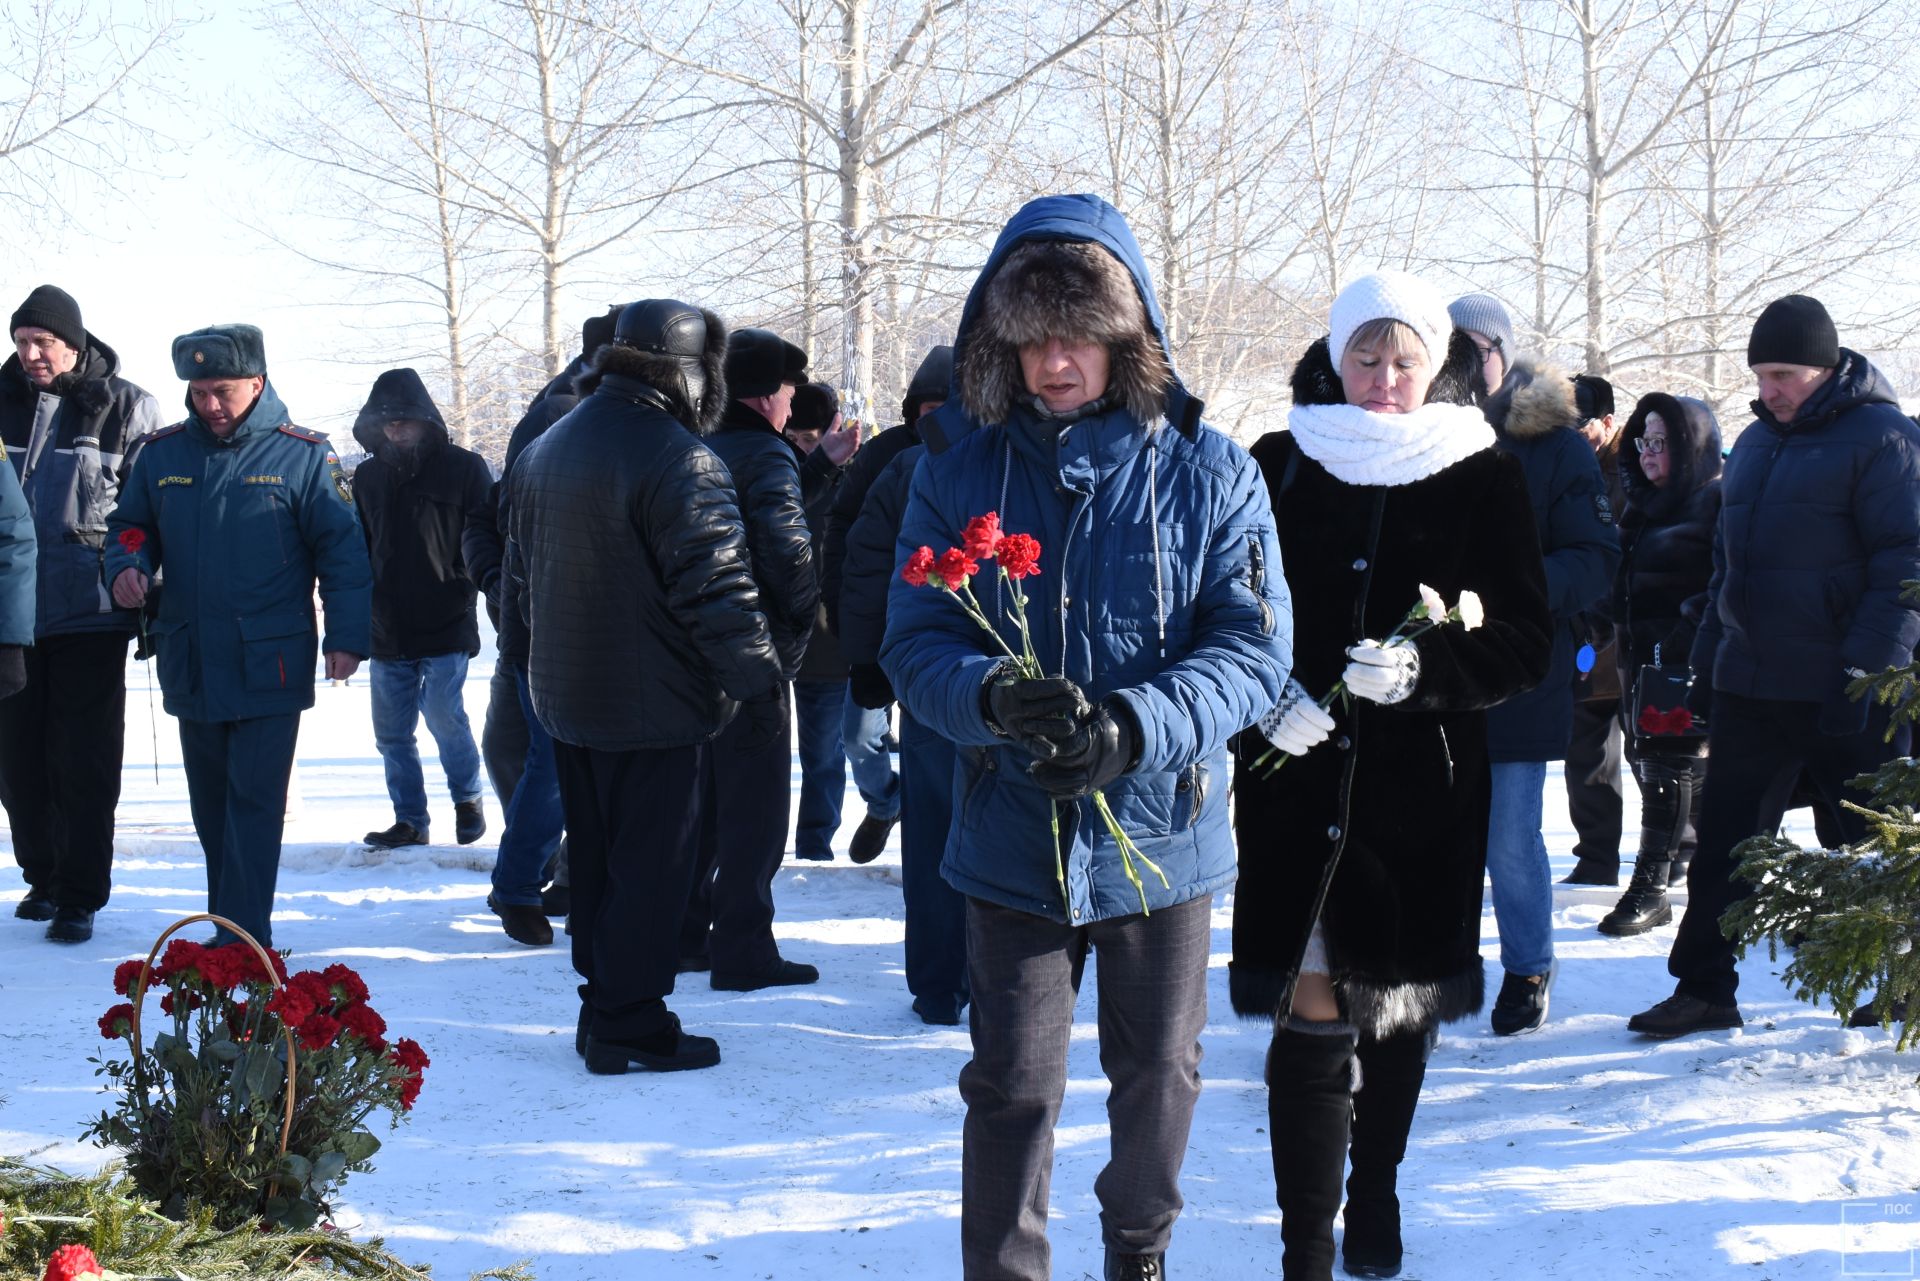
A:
(303, 433)
(341, 485)
(1603, 508)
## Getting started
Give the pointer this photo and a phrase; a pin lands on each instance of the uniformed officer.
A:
(242, 510)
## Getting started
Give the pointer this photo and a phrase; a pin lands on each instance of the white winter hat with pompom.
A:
(1390, 295)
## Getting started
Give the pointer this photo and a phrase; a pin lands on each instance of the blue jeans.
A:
(823, 768)
(1517, 865)
(403, 691)
(535, 816)
(863, 734)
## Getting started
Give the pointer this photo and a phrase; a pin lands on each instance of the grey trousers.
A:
(1025, 975)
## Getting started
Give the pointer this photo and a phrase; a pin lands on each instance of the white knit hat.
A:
(1390, 295)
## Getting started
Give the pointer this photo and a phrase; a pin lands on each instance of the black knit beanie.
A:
(53, 309)
(1795, 330)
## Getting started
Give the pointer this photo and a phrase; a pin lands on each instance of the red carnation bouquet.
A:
(205, 1115)
(1016, 557)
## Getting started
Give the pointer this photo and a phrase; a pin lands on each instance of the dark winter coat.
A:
(868, 558)
(1666, 540)
(1819, 527)
(929, 384)
(1397, 799)
(629, 559)
(414, 511)
(1159, 587)
(242, 527)
(69, 445)
(767, 480)
(823, 661)
(1535, 419)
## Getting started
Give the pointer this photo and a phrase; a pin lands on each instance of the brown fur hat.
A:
(1062, 289)
(1536, 398)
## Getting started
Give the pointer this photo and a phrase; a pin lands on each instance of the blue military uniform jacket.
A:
(242, 527)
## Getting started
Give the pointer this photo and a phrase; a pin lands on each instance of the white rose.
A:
(1435, 603)
(1472, 612)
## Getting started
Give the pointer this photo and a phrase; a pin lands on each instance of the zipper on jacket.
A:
(1257, 577)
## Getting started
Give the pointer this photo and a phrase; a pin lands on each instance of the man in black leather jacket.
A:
(629, 564)
(745, 835)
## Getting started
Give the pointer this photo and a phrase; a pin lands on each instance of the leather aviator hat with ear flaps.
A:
(692, 338)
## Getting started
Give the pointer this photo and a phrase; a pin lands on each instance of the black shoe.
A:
(36, 906)
(1868, 1015)
(469, 821)
(939, 1011)
(1522, 1004)
(70, 925)
(523, 924)
(557, 900)
(814, 856)
(783, 973)
(1680, 1014)
(1677, 874)
(1644, 906)
(397, 835)
(1135, 1267)
(870, 838)
(1591, 871)
(668, 1050)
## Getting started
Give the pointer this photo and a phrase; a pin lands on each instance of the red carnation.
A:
(194, 1001)
(110, 1021)
(1020, 555)
(72, 1263)
(413, 1063)
(133, 540)
(124, 975)
(181, 957)
(344, 983)
(317, 1031)
(955, 567)
(918, 566)
(981, 538)
(305, 994)
(361, 1021)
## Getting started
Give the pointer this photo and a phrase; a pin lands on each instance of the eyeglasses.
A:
(1642, 445)
(1489, 352)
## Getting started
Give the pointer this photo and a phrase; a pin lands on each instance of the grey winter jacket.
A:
(69, 446)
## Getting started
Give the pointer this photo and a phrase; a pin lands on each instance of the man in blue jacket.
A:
(1161, 638)
(1819, 527)
(243, 511)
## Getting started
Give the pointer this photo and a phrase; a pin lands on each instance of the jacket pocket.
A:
(277, 651)
(173, 656)
(1257, 580)
(1190, 796)
(982, 773)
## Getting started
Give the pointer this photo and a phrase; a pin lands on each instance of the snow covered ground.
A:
(827, 1143)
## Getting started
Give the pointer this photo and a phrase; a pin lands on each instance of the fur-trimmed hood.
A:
(661, 374)
(1536, 398)
(1316, 382)
(1063, 265)
(1693, 440)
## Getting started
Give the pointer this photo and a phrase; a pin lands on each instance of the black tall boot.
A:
(1309, 1108)
(1391, 1073)
(1666, 800)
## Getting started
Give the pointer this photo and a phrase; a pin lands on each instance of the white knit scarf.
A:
(1364, 448)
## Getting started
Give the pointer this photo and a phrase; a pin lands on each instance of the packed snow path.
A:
(827, 1142)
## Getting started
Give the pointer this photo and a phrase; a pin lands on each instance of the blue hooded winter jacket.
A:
(1159, 585)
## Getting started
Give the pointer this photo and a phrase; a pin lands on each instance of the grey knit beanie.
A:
(1483, 315)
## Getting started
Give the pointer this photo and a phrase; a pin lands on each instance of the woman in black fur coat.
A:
(1670, 465)
(1387, 479)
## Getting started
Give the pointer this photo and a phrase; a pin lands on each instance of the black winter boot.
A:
(1391, 1074)
(1644, 906)
(1666, 802)
(469, 821)
(1135, 1267)
(1309, 1111)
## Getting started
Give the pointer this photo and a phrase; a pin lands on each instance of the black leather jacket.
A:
(767, 480)
(629, 561)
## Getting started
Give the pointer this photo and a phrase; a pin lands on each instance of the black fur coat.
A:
(1397, 799)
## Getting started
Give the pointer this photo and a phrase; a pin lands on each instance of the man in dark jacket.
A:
(242, 510)
(631, 569)
(1596, 746)
(1818, 530)
(68, 421)
(416, 491)
(745, 835)
(1534, 418)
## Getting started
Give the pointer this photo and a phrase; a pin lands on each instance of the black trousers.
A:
(633, 821)
(61, 740)
(237, 775)
(1756, 751)
(745, 802)
(503, 736)
(1593, 780)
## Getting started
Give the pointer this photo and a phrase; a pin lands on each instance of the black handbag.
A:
(1660, 713)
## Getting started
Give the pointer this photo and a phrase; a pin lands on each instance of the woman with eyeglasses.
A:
(1670, 464)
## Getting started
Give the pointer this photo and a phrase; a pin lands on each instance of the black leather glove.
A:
(869, 686)
(1841, 715)
(1035, 712)
(764, 719)
(13, 670)
(1105, 745)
